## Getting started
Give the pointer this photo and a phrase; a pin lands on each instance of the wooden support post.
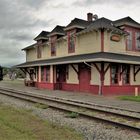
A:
(135, 71)
(102, 73)
(39, 74)
(51, 74)
(22, 69)
(75, 69)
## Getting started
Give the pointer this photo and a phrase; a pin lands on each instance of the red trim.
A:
(44, 85)
(120, 90)
(94, 89)
(70, 87)
(102, 41)
(115, 90)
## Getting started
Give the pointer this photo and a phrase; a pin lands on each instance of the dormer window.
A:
(53, 45)
(129, 41)
(137, 41)
(71, 41)
(39, 51)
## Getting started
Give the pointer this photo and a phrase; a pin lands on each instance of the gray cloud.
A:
(18, 26)
(34, 4)
(100, 2)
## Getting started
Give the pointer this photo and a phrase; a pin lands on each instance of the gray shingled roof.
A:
(78, 22)
(29, 47)
(58, 30)
(43, 34)
(103, 23)
(125, 21)
(93, 57)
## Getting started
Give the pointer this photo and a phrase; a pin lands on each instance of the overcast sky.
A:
(22, 20)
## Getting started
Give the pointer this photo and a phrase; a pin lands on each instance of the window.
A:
(129, 41)
(53, 49)
(45, 74)
(48, 74)
(53, 45)
(114, 74)
(126, 74)
(39, 50)
(71, 42)
(42, 73)
(32, 74)
(137, 36)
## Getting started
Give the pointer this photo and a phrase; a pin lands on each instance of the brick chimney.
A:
(89, 16)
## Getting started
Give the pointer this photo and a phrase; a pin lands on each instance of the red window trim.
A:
(45, 74)
(53, 45)
(68, 34)
(133, 30)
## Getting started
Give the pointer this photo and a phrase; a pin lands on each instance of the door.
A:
(84, 78)
(60, 76)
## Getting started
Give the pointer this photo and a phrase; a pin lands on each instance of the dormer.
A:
(127, 21)
(133, 28)
(56, 33)
(42, 37)
(77, 24)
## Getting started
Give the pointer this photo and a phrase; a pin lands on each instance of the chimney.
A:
(89, 16)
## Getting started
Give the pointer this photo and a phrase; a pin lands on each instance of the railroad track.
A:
(129, 120)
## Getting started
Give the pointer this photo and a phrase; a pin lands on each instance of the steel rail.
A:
(71, 100)
(36, 99)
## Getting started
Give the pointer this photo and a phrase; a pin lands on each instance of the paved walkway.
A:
(110, 101)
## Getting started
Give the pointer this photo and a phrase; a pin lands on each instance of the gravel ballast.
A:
(92, 130)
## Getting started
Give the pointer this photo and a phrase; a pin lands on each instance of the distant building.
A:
(99, 56)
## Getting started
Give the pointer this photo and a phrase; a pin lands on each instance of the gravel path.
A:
(92, 130)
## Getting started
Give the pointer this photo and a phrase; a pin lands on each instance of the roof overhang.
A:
(73, 27)
(93, 57)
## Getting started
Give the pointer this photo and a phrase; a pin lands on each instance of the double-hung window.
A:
(137, 37)
(53, 46)
(48, 74)
(129, 41)
(39, 51)
(71, 41)
(126, 74)
(114, 74)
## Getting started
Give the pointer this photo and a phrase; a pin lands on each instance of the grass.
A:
(18, 124)
(42, 106)
(72, 115)
(130, 98)
(8, 81)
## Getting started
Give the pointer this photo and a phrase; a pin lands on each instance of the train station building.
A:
(96, 55)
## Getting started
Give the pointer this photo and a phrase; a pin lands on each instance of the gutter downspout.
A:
(101, 82)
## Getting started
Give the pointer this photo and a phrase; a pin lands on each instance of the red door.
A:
(84, 79)
(60, 76)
